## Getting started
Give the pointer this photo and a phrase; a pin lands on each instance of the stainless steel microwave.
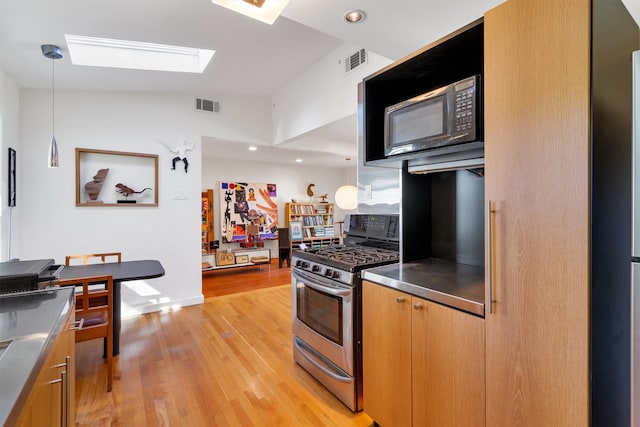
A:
(447, 116)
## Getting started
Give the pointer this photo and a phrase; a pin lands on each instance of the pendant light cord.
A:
(53, 98)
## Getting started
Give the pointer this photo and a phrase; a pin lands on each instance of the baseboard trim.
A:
(164, 306)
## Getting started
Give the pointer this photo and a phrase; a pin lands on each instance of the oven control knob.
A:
(315, 268)
(328, 272)
(336, 275)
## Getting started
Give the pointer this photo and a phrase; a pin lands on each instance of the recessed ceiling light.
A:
(354, 16)
(252, 148)
(263, 10)
(298, 160)
(102, 52)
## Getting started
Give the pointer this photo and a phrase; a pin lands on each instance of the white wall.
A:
(9, 137)
(321, 95)
(633, 6)
(291, 181)
(52, 226)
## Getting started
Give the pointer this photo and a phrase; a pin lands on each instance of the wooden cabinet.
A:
(537, 136)
(445, 61)
(557, 133)
(423, 363)
(52, 398)
(316, 222)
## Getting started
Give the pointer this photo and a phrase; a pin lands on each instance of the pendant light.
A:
(52, 52)
(347, 197)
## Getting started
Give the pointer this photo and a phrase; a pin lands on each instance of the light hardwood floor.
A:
(233, 280)
(227, 362)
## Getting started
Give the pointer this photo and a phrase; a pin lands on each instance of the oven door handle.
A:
(316, 283)
(301, 347)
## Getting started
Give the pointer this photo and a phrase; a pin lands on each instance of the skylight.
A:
(263, 10)
(102, 52)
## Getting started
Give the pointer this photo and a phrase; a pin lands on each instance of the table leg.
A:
(117, 310)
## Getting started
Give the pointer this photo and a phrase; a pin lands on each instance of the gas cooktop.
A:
(350, 258)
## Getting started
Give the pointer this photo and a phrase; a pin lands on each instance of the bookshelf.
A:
(207, 220)
(317, 224)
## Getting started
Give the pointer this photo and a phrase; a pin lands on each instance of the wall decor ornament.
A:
(94, 186)
(128, 191)
(248, 211)
(180, 152)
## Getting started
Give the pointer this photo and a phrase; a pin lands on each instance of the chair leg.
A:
(109, 364)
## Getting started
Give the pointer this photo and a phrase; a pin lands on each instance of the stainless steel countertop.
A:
(31, 322)
(459, 286)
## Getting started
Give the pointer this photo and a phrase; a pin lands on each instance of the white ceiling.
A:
(251, 57)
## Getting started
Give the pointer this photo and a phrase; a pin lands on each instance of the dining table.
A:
(123, 271)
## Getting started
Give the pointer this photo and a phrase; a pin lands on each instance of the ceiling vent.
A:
(207, 105)
(355, 60)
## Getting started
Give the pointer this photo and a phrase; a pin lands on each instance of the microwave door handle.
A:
(316, 283)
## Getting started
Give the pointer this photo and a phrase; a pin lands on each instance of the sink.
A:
(4, 345)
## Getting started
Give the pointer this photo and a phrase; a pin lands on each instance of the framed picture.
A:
(295, 227)
(12, 177)
(116, 178)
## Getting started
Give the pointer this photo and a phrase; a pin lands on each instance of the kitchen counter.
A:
(459, 286)
(29, 325)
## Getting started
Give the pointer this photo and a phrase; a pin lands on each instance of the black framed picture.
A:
(12, 177)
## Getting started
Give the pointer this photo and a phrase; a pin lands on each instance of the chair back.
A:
(284, 248)
(283, 238)
(93, 258)
(94, 312)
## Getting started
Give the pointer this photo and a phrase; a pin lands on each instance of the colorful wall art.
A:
(249, 212)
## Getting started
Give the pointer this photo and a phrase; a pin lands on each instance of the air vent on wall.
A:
(207, 105)
(355, 60)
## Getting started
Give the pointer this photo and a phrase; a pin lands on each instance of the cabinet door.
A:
(45, 405)
(537, 176)
(386, 344)
(447, 366)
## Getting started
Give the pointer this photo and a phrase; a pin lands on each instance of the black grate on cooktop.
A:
(355, 255)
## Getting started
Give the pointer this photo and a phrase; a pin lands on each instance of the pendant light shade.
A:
(52, 52)
(53, 153)
(347, 197)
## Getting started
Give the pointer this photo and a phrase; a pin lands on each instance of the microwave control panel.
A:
(465, 105)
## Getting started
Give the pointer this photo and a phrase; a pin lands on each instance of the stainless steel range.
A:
(327, 303)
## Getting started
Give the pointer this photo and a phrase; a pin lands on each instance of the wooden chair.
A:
(94, 313)
(87, 257)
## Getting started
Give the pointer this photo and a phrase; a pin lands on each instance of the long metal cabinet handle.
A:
(65, 397)
(63, 401)
(66, 392)
(490, 212)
